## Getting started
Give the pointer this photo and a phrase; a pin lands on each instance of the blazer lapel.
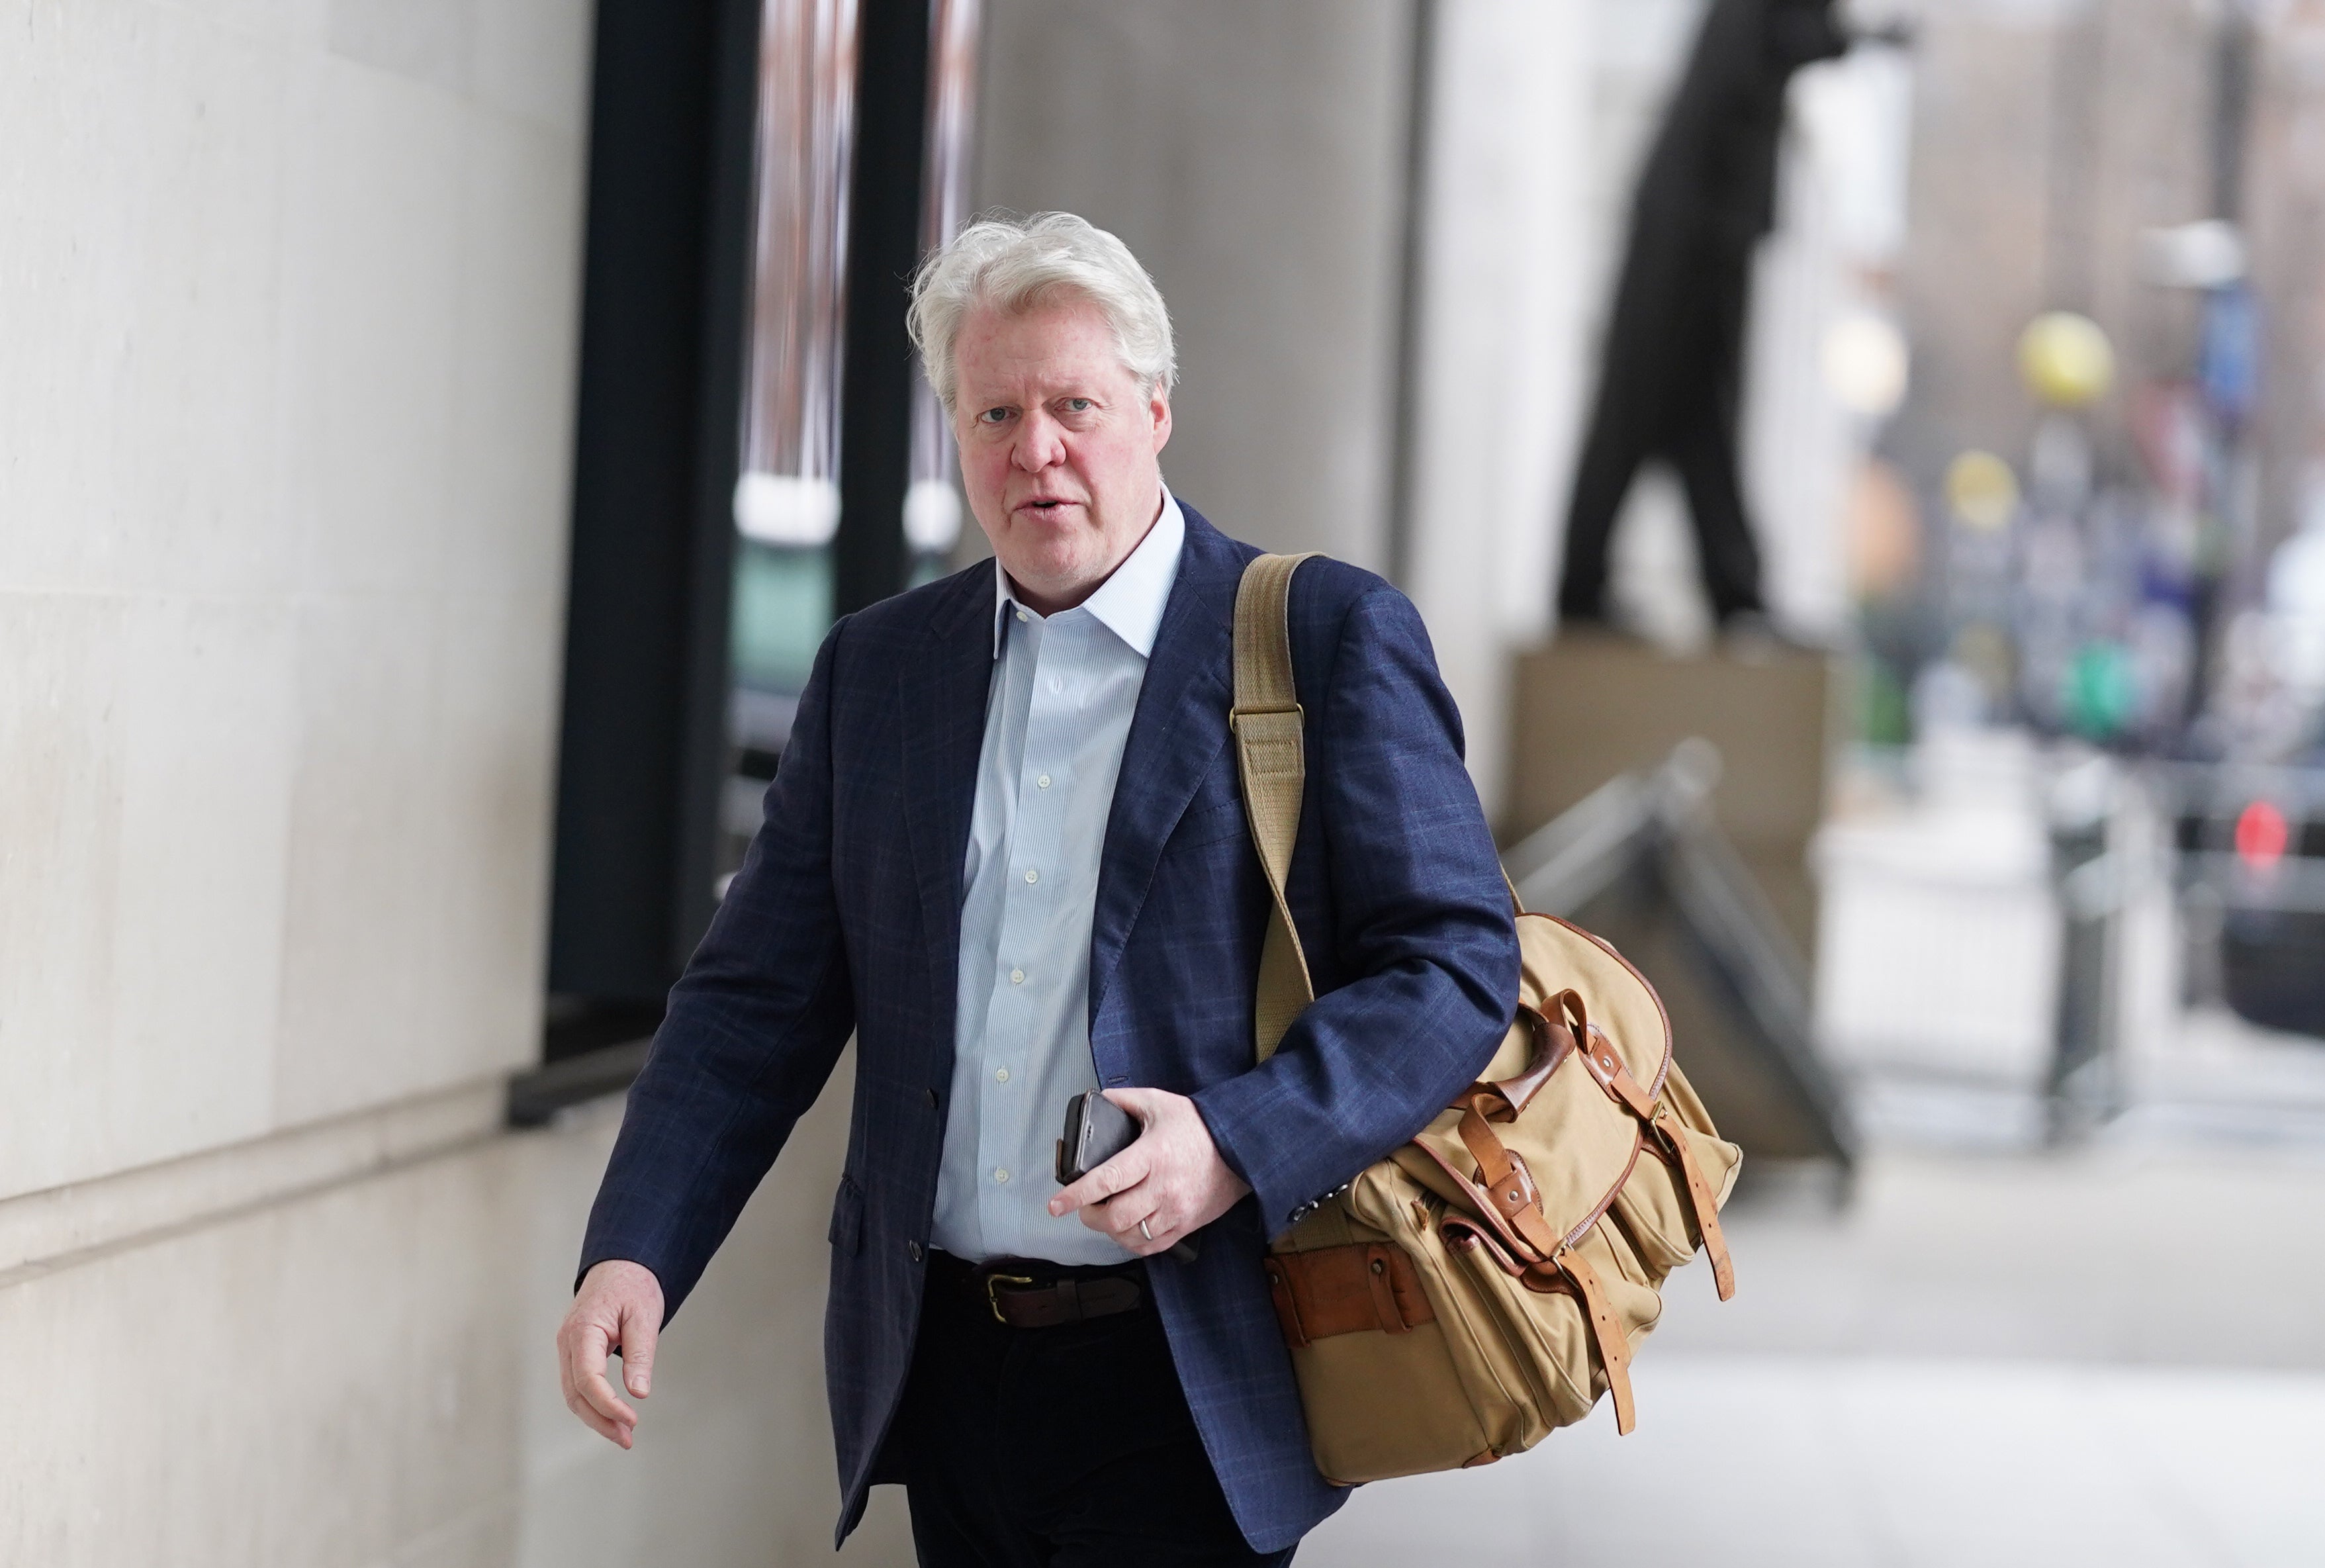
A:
(941, 699)
(1178, 731)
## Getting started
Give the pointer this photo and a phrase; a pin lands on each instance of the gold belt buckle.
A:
(993, 1300)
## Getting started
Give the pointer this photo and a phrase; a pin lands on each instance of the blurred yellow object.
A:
(1982, 490)
(2065, 359)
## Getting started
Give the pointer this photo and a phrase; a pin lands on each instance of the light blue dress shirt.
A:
(1056, 716)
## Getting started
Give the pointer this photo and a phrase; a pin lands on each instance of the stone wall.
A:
(290, 313)
(1252, 157)
(289, 293)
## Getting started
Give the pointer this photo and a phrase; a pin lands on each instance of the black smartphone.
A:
(1098, 1130)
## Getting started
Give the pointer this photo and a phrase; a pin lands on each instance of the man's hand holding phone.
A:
(1152, 1195)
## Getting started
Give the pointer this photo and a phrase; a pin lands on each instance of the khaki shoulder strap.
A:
(1271, 758)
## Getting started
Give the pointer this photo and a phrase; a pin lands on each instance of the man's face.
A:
(1059, 445)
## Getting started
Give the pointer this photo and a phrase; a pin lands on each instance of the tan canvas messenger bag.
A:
(1486, 1282)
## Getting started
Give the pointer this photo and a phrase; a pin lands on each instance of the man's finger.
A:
(589, 1376)
(1118, 1174)
(598, 1399)
(639, 1338)
(1119, 1217)
(1140, 1103)
(1124, 1214)
(612, 1432)
(574, 1345)
(565, 1367)
(1157, 1235)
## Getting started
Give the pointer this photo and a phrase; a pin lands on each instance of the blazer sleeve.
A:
(753, 1030)
(1422, 921)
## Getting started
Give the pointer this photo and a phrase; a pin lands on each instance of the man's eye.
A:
(1077, 404)
(994, 415)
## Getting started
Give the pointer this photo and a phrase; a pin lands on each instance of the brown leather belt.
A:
(1030, 1294)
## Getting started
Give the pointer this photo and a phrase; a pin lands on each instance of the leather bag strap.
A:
(1609, 1070)
(1517, 1203)
(1510, 1196)
(1605, 1331)
(1270, 755)
(1701, 1199)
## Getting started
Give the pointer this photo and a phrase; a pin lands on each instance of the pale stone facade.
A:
(290, 294)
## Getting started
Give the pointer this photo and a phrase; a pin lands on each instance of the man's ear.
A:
(1158, 410)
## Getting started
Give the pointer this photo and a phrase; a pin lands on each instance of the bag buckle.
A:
(1263, 710)
(993, 1300)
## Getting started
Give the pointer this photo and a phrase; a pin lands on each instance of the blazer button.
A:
(912, 1250)
(932, 1097)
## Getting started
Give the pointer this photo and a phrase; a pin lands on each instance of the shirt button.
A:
(1017, 977)
(999, 1174)
(1032, 875)
(1021, 616)
(912, 1250)
(1057, 684)
(1043, 781)
(1001, 1075)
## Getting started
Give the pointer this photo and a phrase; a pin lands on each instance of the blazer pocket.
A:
(1207, 825)
(846, 1232)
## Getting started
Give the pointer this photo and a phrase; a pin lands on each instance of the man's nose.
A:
(1040, 445)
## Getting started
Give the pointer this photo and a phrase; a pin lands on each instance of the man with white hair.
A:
(1006, 849)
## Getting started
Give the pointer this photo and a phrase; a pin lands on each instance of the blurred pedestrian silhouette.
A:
(1672, 381)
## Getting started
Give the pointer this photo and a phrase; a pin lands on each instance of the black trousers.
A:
(1672, 391)
(1064, 1447)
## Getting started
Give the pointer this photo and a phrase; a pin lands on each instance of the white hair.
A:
(1017, 263)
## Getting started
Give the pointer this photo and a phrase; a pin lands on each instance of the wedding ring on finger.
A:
(1144, 1231)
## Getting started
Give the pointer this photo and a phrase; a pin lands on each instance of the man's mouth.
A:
(1045, 504)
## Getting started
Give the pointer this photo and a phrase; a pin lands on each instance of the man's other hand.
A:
(618, 1308)
(1172, 1177)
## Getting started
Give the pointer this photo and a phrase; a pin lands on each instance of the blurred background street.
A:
(1862, 466)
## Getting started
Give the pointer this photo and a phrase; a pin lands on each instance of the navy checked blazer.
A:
(845, 916)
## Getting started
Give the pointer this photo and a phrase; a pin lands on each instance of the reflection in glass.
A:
(789, 491)
(932, 506)
(786, 503)
(787, 497)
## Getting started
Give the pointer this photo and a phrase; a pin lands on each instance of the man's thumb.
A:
(637, 1353)
(1138, 1102)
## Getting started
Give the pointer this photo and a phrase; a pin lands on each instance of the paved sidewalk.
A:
(1794, 1463)
(2113, 1357)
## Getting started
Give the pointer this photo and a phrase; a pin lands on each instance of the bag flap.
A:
(1576, 1142)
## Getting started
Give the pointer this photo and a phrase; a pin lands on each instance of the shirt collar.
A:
(1130, 603)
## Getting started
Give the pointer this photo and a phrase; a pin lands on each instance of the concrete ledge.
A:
(536, 1098)
(62, 1226)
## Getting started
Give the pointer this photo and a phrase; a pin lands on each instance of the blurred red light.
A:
(2262, 835)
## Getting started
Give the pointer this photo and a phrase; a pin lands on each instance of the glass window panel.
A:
(789, 491)
(933, 505)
